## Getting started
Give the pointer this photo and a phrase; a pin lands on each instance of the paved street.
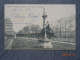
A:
(9, 44)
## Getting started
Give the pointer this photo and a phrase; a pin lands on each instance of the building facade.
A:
(8, 27)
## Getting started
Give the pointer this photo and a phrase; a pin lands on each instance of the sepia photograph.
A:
(40, 26)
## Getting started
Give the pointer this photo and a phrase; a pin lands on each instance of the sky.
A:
(23, 15)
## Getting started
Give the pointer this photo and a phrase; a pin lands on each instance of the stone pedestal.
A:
(45, 43)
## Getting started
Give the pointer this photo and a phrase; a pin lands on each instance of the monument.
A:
(45, 42)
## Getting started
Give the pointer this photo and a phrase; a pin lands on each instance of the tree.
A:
(35, 28)
(26, 29)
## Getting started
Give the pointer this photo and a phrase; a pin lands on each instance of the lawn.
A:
(32, 43)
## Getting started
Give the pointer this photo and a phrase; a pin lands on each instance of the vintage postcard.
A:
(39, 26)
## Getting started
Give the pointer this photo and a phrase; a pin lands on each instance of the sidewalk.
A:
(9, 45)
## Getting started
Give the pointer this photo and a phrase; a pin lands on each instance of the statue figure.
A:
(48, 31)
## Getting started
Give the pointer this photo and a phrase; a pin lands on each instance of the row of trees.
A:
(65, 27)
(30, 29)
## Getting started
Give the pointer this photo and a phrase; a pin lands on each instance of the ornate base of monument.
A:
(45, 43)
